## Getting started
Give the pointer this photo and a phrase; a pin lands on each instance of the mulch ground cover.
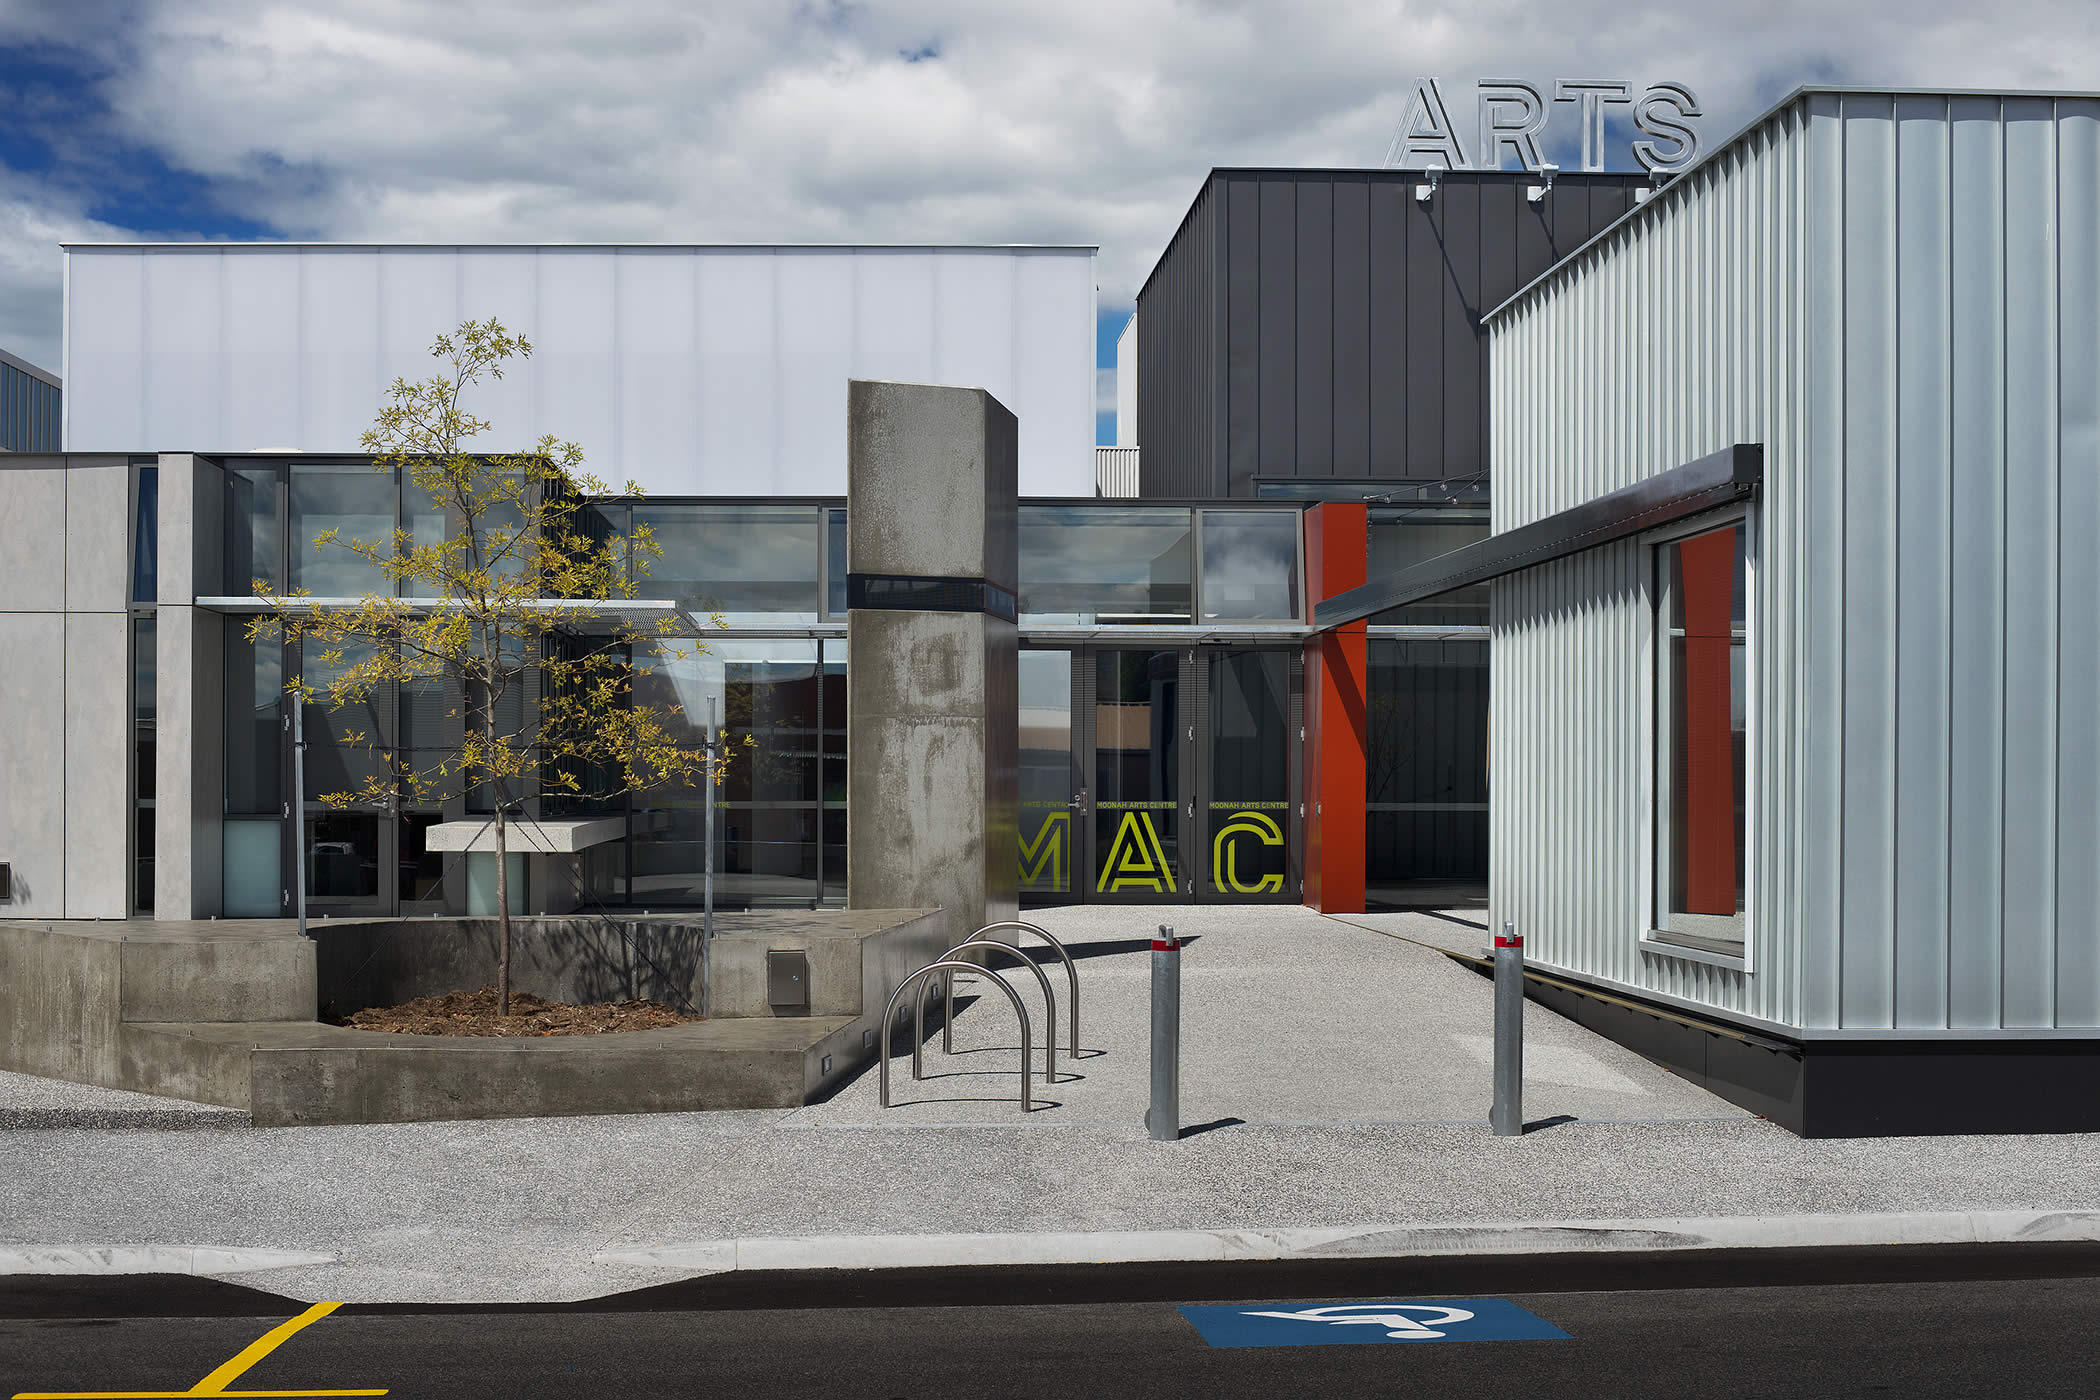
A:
(474, 1013)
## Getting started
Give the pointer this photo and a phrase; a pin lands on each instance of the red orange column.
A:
(1336, 667)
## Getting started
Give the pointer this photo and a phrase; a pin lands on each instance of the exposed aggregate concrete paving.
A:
(1352, 1057)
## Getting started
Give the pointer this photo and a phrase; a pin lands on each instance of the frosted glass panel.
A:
(481, 884)
(254, 865)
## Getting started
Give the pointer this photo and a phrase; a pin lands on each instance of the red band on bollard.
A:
(1166, 945)
(1514, 941)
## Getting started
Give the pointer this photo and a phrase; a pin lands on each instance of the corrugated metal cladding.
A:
(1115, 471)
(1894, 294)
(1177, 377)
(29, 408)
(695, 370)
(1324, 323)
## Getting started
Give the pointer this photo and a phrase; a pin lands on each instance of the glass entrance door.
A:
(1138, 791)
(1248, 737)
(1181, 781)
(1053, 795)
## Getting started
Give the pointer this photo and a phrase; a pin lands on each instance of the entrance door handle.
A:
(1079, 803)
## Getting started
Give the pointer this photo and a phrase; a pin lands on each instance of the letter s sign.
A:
(1661, 113)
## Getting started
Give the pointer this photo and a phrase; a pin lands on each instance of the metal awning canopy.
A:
(1734, 474)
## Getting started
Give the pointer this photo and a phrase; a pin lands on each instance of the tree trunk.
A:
(502, 914)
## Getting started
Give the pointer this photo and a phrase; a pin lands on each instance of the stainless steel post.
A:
(298, 807)
(1163, 1119)
(1507, 1115)
(707, 880)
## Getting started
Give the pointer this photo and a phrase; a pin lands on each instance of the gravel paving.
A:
(1351, 1057)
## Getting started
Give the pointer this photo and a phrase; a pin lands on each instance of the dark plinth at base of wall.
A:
(1858, 1088)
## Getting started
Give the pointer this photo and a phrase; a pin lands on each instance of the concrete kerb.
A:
(152, 1259)
(1362, 1242)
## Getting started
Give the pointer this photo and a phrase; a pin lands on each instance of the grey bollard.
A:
(1163, 1119)
(1507, 1115)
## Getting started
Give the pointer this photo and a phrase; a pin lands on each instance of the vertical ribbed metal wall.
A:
(1325, 324)
(1896, 295)
(1178, 369)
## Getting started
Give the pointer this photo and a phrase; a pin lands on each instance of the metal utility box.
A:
(787, 981)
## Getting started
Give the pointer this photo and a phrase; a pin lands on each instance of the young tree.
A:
(519, 584)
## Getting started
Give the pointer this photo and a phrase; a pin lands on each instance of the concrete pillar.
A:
(932, 671)
(190, 804)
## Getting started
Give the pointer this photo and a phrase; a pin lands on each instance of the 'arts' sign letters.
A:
(1511, 113)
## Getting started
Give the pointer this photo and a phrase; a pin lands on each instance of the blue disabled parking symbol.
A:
(1342, 1324)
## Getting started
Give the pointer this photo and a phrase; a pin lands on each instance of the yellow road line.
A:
(173, 1394)
(217, 1381)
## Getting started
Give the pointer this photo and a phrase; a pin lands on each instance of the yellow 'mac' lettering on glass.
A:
(1046, 854)
(1136, 859)
(1224, 872)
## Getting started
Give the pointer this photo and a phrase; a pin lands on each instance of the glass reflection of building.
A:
(1156, 617)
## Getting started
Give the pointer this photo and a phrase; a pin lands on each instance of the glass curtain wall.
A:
(145, 716)
(1425, 766)
(356, 502)
(254, 520)
(1113, 564)
(754, 564)
(1137, 773)
(1250, 566)
(346, 746)
(1403, 536)
(1048, 783)
(769, 811)
(1250, 773)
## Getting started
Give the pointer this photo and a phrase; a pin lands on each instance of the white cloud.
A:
(1090, 121)
(33, 222)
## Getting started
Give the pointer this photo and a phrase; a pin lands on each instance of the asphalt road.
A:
(2003, 1322)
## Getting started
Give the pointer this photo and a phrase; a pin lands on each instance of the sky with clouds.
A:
(925, 121)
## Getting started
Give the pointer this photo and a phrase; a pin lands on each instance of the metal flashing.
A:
(1709, 483)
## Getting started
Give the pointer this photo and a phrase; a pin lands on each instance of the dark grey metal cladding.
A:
(1178, 383)
(1326, 324)
(1709, 483)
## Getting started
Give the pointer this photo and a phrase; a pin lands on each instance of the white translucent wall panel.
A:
(694, 371)
(104, 305)
(263, 334)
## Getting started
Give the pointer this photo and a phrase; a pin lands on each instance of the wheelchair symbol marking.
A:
(1395, 1316)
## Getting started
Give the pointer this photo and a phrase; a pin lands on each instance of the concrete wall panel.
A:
(97, 794)
(33, 534)
(98, 535)
(33, 760)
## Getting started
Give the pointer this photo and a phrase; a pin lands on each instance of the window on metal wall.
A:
(1702, 693)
